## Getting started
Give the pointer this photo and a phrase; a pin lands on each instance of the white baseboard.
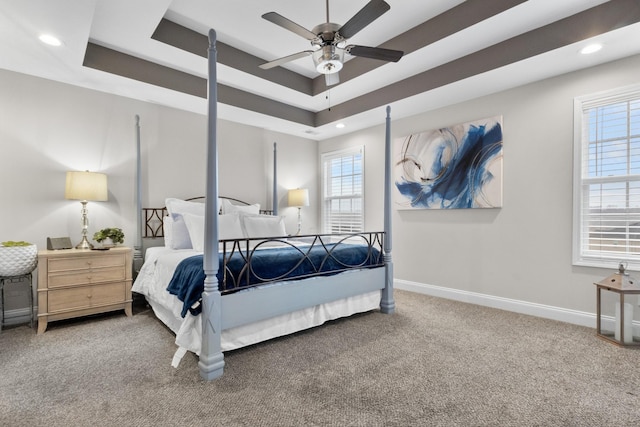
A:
(539, 310)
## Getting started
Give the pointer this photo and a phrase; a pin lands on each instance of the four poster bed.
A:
(243, 280)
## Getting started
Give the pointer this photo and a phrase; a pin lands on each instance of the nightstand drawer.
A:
(87, 277)
(86, 297)
(88, 262)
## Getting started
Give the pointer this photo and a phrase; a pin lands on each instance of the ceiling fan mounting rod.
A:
(328, 12)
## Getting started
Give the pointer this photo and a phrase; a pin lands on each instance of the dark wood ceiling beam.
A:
(118, 63)
(606, 17)
(248, 101)
(114, 62)
(176, 35)
(447, 23)
(600, 19)
(437, 28)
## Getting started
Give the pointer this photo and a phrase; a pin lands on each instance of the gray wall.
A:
(517, 257)
(47, 128)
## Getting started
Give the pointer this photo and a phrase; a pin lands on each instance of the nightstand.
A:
(76, 282)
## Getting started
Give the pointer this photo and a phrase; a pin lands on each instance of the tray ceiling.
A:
(155, 51)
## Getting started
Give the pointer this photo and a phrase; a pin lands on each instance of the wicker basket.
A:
(18, 260)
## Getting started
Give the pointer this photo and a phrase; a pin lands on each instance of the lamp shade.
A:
(91, 186)
(299, 197)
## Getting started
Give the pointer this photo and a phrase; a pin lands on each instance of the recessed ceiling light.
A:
(592, 48)
(340, 125)
(50, 40)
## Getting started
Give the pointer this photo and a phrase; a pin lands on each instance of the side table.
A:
(80, 282)
(15, 279)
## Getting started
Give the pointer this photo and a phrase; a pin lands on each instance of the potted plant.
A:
(114, 234)
(17, 258)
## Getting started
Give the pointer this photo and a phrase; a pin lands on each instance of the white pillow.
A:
(264, 226)
(178, 235)
(228, 228)
(228, 207)
(167, 230)
(177, 207)
(195, 226)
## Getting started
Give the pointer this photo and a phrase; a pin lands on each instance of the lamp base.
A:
(84, 244)
(299, 222)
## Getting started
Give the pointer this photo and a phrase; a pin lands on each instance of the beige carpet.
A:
(433, 363)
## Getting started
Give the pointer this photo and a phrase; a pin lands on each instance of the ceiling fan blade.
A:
(287, 24)
(372, 11)
(331, 79)
(285, 59)
(375, 53)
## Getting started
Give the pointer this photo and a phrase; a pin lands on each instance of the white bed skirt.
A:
(152, 281)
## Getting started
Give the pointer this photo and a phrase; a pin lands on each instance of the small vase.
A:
(107, 243)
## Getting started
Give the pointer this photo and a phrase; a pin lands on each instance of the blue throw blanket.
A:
(267, 265)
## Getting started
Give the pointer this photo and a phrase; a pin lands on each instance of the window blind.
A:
(343, 177)
(608, 201)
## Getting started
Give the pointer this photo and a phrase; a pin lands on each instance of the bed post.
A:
(137, 247)
(274, 195)
(387, 303)
(211, 362)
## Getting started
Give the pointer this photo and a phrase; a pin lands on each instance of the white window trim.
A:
(604, 97)
(336, 153)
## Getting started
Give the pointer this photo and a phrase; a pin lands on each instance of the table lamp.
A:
(85, 186)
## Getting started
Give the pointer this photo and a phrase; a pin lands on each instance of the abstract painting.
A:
(455, 167)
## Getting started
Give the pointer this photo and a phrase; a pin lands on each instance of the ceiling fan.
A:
(329, 41)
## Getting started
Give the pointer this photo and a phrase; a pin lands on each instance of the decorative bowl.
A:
(18, 260)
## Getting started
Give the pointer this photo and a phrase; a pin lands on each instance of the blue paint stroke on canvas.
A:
(451, 168)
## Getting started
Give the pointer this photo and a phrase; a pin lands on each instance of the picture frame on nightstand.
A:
(58, 243)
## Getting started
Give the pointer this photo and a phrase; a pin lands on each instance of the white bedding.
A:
(157, 271)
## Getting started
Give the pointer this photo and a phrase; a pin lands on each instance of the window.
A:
(343, 197)
(607, 179)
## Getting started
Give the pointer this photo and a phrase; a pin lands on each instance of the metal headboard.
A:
(153, 216)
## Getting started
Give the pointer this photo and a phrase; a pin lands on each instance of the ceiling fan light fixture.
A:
(328, 60)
